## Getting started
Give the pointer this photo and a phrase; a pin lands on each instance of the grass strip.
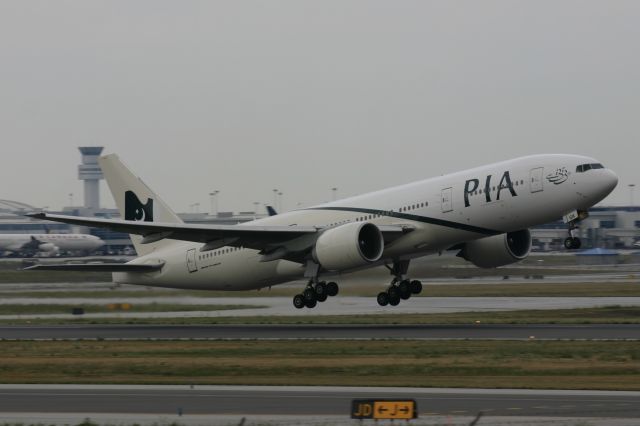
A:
(598, 315)
(489, 364)
(532, 289)
(42, 309)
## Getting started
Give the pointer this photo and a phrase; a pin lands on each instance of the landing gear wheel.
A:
(394, 296)
(311, 303)
(298, 301)
(416, 287)
(577, 243)
(309, 294)
(321, 297)
(383, 298)
(572, 243)
(405, 289)
(321, 290)
(394, 293)
(332, 289)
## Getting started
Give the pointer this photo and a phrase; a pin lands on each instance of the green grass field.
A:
(487, 364)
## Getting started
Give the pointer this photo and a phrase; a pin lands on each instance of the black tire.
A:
(394, 293)
(568, 243)
(311, 304)
(298, 301)
(394, 300)
(405, 289)
(383, 298)
(577, 243)
(416, 287)
(332, 289)
(321, 297)
(321, 290)
(309, 294)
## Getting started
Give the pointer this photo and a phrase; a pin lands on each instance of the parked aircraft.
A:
(49, 244)
(482, 213)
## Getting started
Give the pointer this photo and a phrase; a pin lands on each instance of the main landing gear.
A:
(314, 293)
(401, 288)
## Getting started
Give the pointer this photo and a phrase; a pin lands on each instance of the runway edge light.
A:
(384, 409)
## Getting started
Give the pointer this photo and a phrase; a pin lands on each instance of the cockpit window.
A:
(584, 167)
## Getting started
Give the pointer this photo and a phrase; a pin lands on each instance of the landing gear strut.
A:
(315, 293)
(572, 242)
(400, 288)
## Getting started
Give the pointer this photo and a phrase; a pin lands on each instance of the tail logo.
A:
(135, 210)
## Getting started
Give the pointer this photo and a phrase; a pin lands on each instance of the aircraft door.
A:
(191, 260)
(447, 202)
(535, 179)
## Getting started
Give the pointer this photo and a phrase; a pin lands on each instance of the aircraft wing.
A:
(97, 267)
(263, 238)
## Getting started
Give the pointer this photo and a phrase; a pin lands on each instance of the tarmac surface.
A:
(282, 306)
(275, 332)
(310, 401)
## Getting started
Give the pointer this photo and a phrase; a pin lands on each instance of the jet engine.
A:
(349, 246)
(498, 250)
(48, 247)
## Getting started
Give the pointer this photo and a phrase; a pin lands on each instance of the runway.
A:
(282, 306)
(307, 401)
(426, 332)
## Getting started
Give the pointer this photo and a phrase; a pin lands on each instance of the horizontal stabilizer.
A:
(97, 267)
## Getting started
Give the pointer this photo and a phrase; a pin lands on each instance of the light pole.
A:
(71, 199)
(632, 187)
(275, 198)
(334, 192)
(280, 206)
(214, 204)
(255, 207)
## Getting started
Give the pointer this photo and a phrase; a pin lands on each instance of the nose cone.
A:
(609, 181)
(98, 243)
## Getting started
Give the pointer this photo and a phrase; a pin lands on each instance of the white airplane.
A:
(483, 213)
(49, 244)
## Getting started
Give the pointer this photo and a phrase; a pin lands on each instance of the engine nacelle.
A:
(48, 247)
(349, 246)
(498, 250)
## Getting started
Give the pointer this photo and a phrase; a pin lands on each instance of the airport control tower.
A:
(89, 171)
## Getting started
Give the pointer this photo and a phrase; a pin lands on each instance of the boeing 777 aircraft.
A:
(483, 213)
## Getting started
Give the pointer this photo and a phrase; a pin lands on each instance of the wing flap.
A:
(249, 236)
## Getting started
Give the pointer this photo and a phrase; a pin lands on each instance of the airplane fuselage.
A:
(443, 212)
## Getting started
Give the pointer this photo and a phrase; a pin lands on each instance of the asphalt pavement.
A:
(309, 401)
(427, 332)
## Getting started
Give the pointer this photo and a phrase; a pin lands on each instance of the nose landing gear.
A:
(573, 242)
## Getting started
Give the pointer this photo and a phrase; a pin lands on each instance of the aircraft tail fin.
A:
(135, 200)
(271, 211)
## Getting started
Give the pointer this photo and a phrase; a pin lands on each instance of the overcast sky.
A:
(243, 97)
